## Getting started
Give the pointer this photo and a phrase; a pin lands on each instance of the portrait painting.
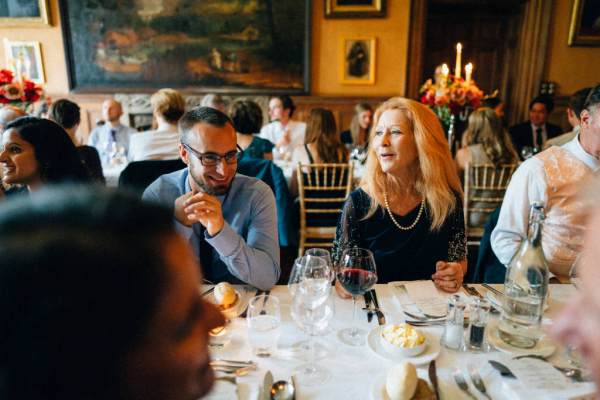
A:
(355, 8)
(358, 61)
(25, 59)
(210, 45)
(23, 13)
(585, 23)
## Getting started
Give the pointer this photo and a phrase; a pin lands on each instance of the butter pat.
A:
(225, 295)
(403, 335)
(401, 382)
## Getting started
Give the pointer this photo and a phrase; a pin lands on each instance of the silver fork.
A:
(461, 383)
(425, 318)
(477, 381)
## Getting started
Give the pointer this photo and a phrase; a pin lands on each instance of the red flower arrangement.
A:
(450, 95)
(19, 92)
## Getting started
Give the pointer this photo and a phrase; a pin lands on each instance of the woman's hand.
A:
(343, 293)
(449, 275)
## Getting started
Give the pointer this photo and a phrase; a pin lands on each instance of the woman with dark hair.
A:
(38, 151)
(103, 304)
(322, 143)
(247, 120)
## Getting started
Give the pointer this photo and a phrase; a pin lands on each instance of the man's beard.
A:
(218, 191)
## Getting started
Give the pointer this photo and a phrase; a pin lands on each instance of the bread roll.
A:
(225, 294)
(401, 381)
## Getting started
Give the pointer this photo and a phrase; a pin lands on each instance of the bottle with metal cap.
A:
(525, 287)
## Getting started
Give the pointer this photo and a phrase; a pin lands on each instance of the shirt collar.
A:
(575, 147)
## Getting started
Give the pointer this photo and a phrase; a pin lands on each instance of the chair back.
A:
(323, 189)
(138, 175)
(485, 185)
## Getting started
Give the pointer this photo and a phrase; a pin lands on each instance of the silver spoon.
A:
(283, 390)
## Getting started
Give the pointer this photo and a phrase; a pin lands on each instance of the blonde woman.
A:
(358, 134)
(162, 143)
(408, 210)
(487, 141)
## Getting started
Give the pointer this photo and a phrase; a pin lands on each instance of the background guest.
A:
(554, 178)
(529, 137)
(495, 103)
(487, 143)
(38, 151)
(321, 144)
(574, 109)
(283, 131)
(408, 209)
(358, 134)
(67, 114)
(247, 119)
(112, 136)
(112, 309)
(9, 113)
(168, 106)
(215, 101)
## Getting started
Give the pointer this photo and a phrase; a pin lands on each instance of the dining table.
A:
(358, 372)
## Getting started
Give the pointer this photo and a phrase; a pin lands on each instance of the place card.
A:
(426, 297)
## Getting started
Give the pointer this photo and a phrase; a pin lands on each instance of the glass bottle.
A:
(525, 287)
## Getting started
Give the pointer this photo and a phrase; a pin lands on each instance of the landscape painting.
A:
(209, 45)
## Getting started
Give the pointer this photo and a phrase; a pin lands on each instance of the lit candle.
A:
(445, 72)
(458, 58)
(468, 72)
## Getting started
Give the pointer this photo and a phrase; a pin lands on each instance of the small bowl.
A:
(399, 350)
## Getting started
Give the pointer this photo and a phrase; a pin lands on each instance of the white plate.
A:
(544, 347)
(430, 353)
(493, 299)
(378, 390)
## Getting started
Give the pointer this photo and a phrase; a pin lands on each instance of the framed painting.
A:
(227, 46)
(358, 61)
(585, 23)
(355, 8)
(25, 59)
(24, 13)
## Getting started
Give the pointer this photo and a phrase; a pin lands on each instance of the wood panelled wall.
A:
(342, 108)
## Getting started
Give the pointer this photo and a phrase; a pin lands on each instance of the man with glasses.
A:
(229, 219)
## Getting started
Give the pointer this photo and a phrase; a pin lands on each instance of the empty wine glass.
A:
(314, 321)
(324, 254)
(357, 274)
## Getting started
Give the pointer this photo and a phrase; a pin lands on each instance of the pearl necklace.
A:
(403, 228)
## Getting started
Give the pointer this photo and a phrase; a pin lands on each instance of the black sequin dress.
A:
(400, 255)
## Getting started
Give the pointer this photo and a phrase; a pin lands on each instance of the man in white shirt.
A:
(111, 137)
(168, 107)
(553, 177)
(285, 133)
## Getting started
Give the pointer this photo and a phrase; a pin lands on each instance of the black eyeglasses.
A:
(212, 159)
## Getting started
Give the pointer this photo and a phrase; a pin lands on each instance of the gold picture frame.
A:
(33, 15)
(357, 63)
(355, 8)
(584, 29)
(25, 59)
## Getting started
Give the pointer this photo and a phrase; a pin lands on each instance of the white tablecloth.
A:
(354, 369)
(112, 173)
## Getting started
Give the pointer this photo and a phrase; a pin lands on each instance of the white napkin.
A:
(426, 297)
(537, 379)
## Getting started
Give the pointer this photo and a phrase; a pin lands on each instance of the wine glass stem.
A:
(354, 330)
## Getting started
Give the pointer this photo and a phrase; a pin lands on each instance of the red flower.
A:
(6, 76)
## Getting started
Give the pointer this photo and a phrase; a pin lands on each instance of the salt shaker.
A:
(478, 316)
(454, 330)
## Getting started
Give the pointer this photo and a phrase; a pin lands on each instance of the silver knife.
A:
(433, 379)
(368, 308)
(378, 312)
(266, 388)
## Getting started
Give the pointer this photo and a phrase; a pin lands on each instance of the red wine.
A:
(356, 281)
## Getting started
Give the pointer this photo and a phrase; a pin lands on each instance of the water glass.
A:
(324, 254)
(264, 324)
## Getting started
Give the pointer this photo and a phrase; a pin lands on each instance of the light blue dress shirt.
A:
(100, 137)
(247, 245)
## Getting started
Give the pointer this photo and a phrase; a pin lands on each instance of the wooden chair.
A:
(323, 189)
(485, 185)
